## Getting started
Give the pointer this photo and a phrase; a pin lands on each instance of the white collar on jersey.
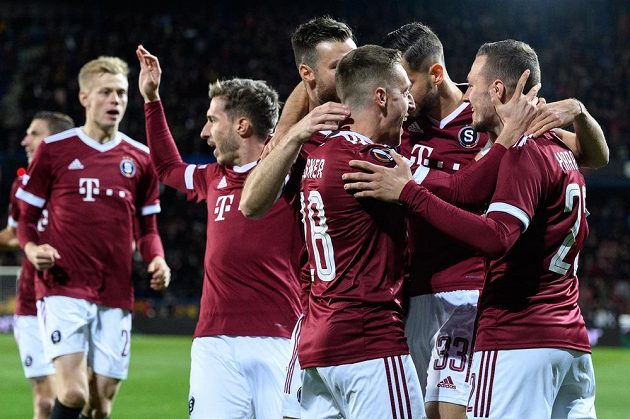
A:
(346, 134)
(245, 168)
(449, 117)
(102, 147)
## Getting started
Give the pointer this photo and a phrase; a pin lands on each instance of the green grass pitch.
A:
(157, 387)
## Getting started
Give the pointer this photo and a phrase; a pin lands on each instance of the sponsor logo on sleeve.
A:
(382, 156)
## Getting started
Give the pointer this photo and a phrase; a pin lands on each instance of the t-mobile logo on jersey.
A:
(420, 154)
(89, 187)
(224, 204)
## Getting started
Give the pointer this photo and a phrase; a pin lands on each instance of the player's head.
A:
(318, 45)
(241, 111)
(498, 66)
(372, 78)
(422, 59)
(44, 123)
(103, 88)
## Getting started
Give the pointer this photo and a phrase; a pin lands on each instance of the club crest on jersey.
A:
(55, 337)
(127, 167)
(28, 361)
(468, 137)
(382, 156)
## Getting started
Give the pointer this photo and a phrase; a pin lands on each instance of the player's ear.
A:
(436, 74)
(380, 97)
(83, 98)
(306, 73)
(500, 89)
(243, 127)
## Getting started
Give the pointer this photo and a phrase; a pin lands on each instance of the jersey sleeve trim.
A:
(188, 176)
(29, 198)
(512, 210)
(151, 209)
(11, 222)
(421, 174)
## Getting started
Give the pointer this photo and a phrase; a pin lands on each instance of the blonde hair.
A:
(101, 65)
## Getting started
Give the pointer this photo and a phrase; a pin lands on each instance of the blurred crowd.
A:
(582, 45)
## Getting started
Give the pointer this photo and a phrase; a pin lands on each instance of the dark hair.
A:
(253, 99)
(418, 44)
(363, 69)
(507, 60)
(308, 35)
(57, 121)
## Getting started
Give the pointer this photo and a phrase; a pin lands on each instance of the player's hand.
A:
(42, 257)
(150, 75)
(518, 112)
(554, 115)
(326, 117)
(160, 273)
(376, 181)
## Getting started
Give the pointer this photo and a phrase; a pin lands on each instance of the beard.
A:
(327, 95)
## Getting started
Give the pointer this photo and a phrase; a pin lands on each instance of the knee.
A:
(73, 396)
(43, 406)
(102, 409)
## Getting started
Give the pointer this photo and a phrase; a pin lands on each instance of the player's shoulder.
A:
(62, 137)
(133, 144)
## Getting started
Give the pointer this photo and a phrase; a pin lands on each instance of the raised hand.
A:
(150, 75)
(518, 112)
(555, 115)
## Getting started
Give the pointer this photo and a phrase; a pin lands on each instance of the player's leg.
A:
(317, 400)
(517, 383)
(218, 387)
(37, 368)
(43, 389)
(448, 372)
(63, 322)
(423, 321)
(380, 388)
(292, 391)
(576, 398)
(263, 361)
(110, 349)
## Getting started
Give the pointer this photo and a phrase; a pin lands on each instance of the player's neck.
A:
(450, 97)
(98, 133)
(362, 122)
(250, 151)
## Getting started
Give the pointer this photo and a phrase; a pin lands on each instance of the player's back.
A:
(356, 250)
(530, 296)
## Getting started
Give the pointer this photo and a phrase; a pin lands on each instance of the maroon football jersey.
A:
(93, 193)
(251, 267)
(531, 294)
(356, 255)
(25, 298)
(439, 264)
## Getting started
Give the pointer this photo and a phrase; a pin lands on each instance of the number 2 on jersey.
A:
(558, 265)
(313, 213)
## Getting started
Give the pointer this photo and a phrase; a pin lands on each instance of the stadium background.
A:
(582, 45)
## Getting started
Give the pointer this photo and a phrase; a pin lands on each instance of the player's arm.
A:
(588, 143)
(264, 183)
(166, 159)
(31, 201)
(471, 186)
(150, 247)
(295, 108)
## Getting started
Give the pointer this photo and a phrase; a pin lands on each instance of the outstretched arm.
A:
(166, 159)
(588, 143)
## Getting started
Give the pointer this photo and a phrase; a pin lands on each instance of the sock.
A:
(60, 411)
